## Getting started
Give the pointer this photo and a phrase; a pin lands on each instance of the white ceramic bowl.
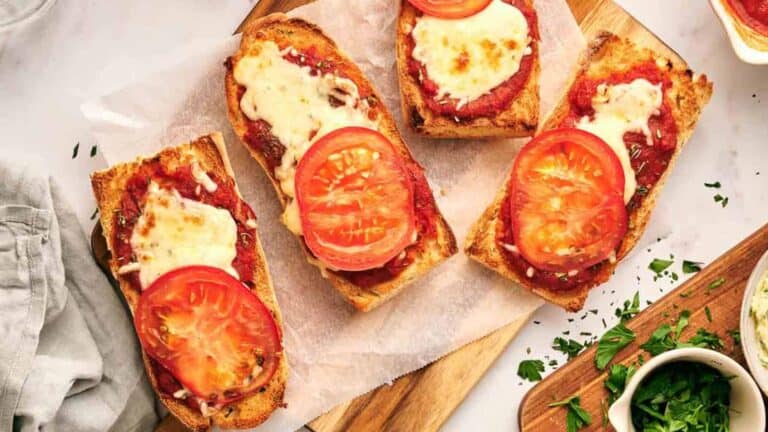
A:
(745, 52)
(747, 409)
(749, 341)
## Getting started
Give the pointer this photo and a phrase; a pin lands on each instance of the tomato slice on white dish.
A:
(210, 331)
(567, 202)
(451, 9)
(355, 199)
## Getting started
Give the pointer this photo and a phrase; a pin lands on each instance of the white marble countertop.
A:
(83, 47)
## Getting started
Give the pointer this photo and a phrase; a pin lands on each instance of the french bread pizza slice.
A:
(582, 191)
(351, 190)
(185, 251)
(469, 68)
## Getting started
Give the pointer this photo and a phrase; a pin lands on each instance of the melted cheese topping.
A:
(469, 57)
(619, 109)
(298, 107)
(173, 231)
(203, 178)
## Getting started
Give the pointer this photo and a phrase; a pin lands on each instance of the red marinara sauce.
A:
(753, 13)
(259, 137)
(648, 162)
(182, 180)
(489, 104)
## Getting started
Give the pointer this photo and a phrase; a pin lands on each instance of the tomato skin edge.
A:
(550, 138)
(464, 9)
(161, 283)
(345, 137)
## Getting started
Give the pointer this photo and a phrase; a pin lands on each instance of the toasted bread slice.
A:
(108, 186)
(302, 35)
(519, 119)
(605, 55)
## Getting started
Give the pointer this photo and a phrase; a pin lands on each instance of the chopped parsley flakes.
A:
(715, 284)
(659, 265)
(630, 309)
(691, 266)
(569, 347)
(530, 370)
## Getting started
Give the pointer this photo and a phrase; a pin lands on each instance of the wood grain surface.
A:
(424, 399)
(580, 377)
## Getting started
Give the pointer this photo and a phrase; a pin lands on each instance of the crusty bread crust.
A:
(302, 35)
(607, 54)
(520, 119)
(108, 186)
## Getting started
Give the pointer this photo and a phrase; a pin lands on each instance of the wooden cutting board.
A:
(580, 377)
(423, 400)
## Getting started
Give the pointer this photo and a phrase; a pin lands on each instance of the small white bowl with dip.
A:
(749, 339)
(744, 51)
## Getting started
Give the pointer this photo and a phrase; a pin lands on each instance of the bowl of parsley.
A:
(689, 389)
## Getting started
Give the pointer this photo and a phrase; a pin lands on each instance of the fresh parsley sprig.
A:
(569, 347)
(691, 266)
(577, 417)
(659, 265)
(630, 309)
(530, 370)
(618, 377)
(613, 341)
(682, 396)
(665, 339)
(704, 339)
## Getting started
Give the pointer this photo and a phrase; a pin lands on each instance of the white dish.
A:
(745, 52)
(747, 409)
(747, 327)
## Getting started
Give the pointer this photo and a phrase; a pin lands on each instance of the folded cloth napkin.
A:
(69, 359)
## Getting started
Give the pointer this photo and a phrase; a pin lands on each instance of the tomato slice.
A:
(567, 202)
(355, 199)
(451, 9)
(210, 331)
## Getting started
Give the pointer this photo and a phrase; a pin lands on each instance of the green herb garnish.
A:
(530, 370)
(664, 338)
(75, 150)
(691, 266)
(708, 313)
(629, 310)
(659, 265)
(659, 341)
(715, 284)
(570, 347)
(682, 396)
(735, 334)
(704, 339)
(618, 377)
(722, 200)
(715, 185)
(577, 417)
(611, 343)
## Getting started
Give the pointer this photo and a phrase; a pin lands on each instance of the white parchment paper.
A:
(335, 353)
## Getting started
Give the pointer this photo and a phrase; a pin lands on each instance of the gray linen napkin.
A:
(69, 359)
